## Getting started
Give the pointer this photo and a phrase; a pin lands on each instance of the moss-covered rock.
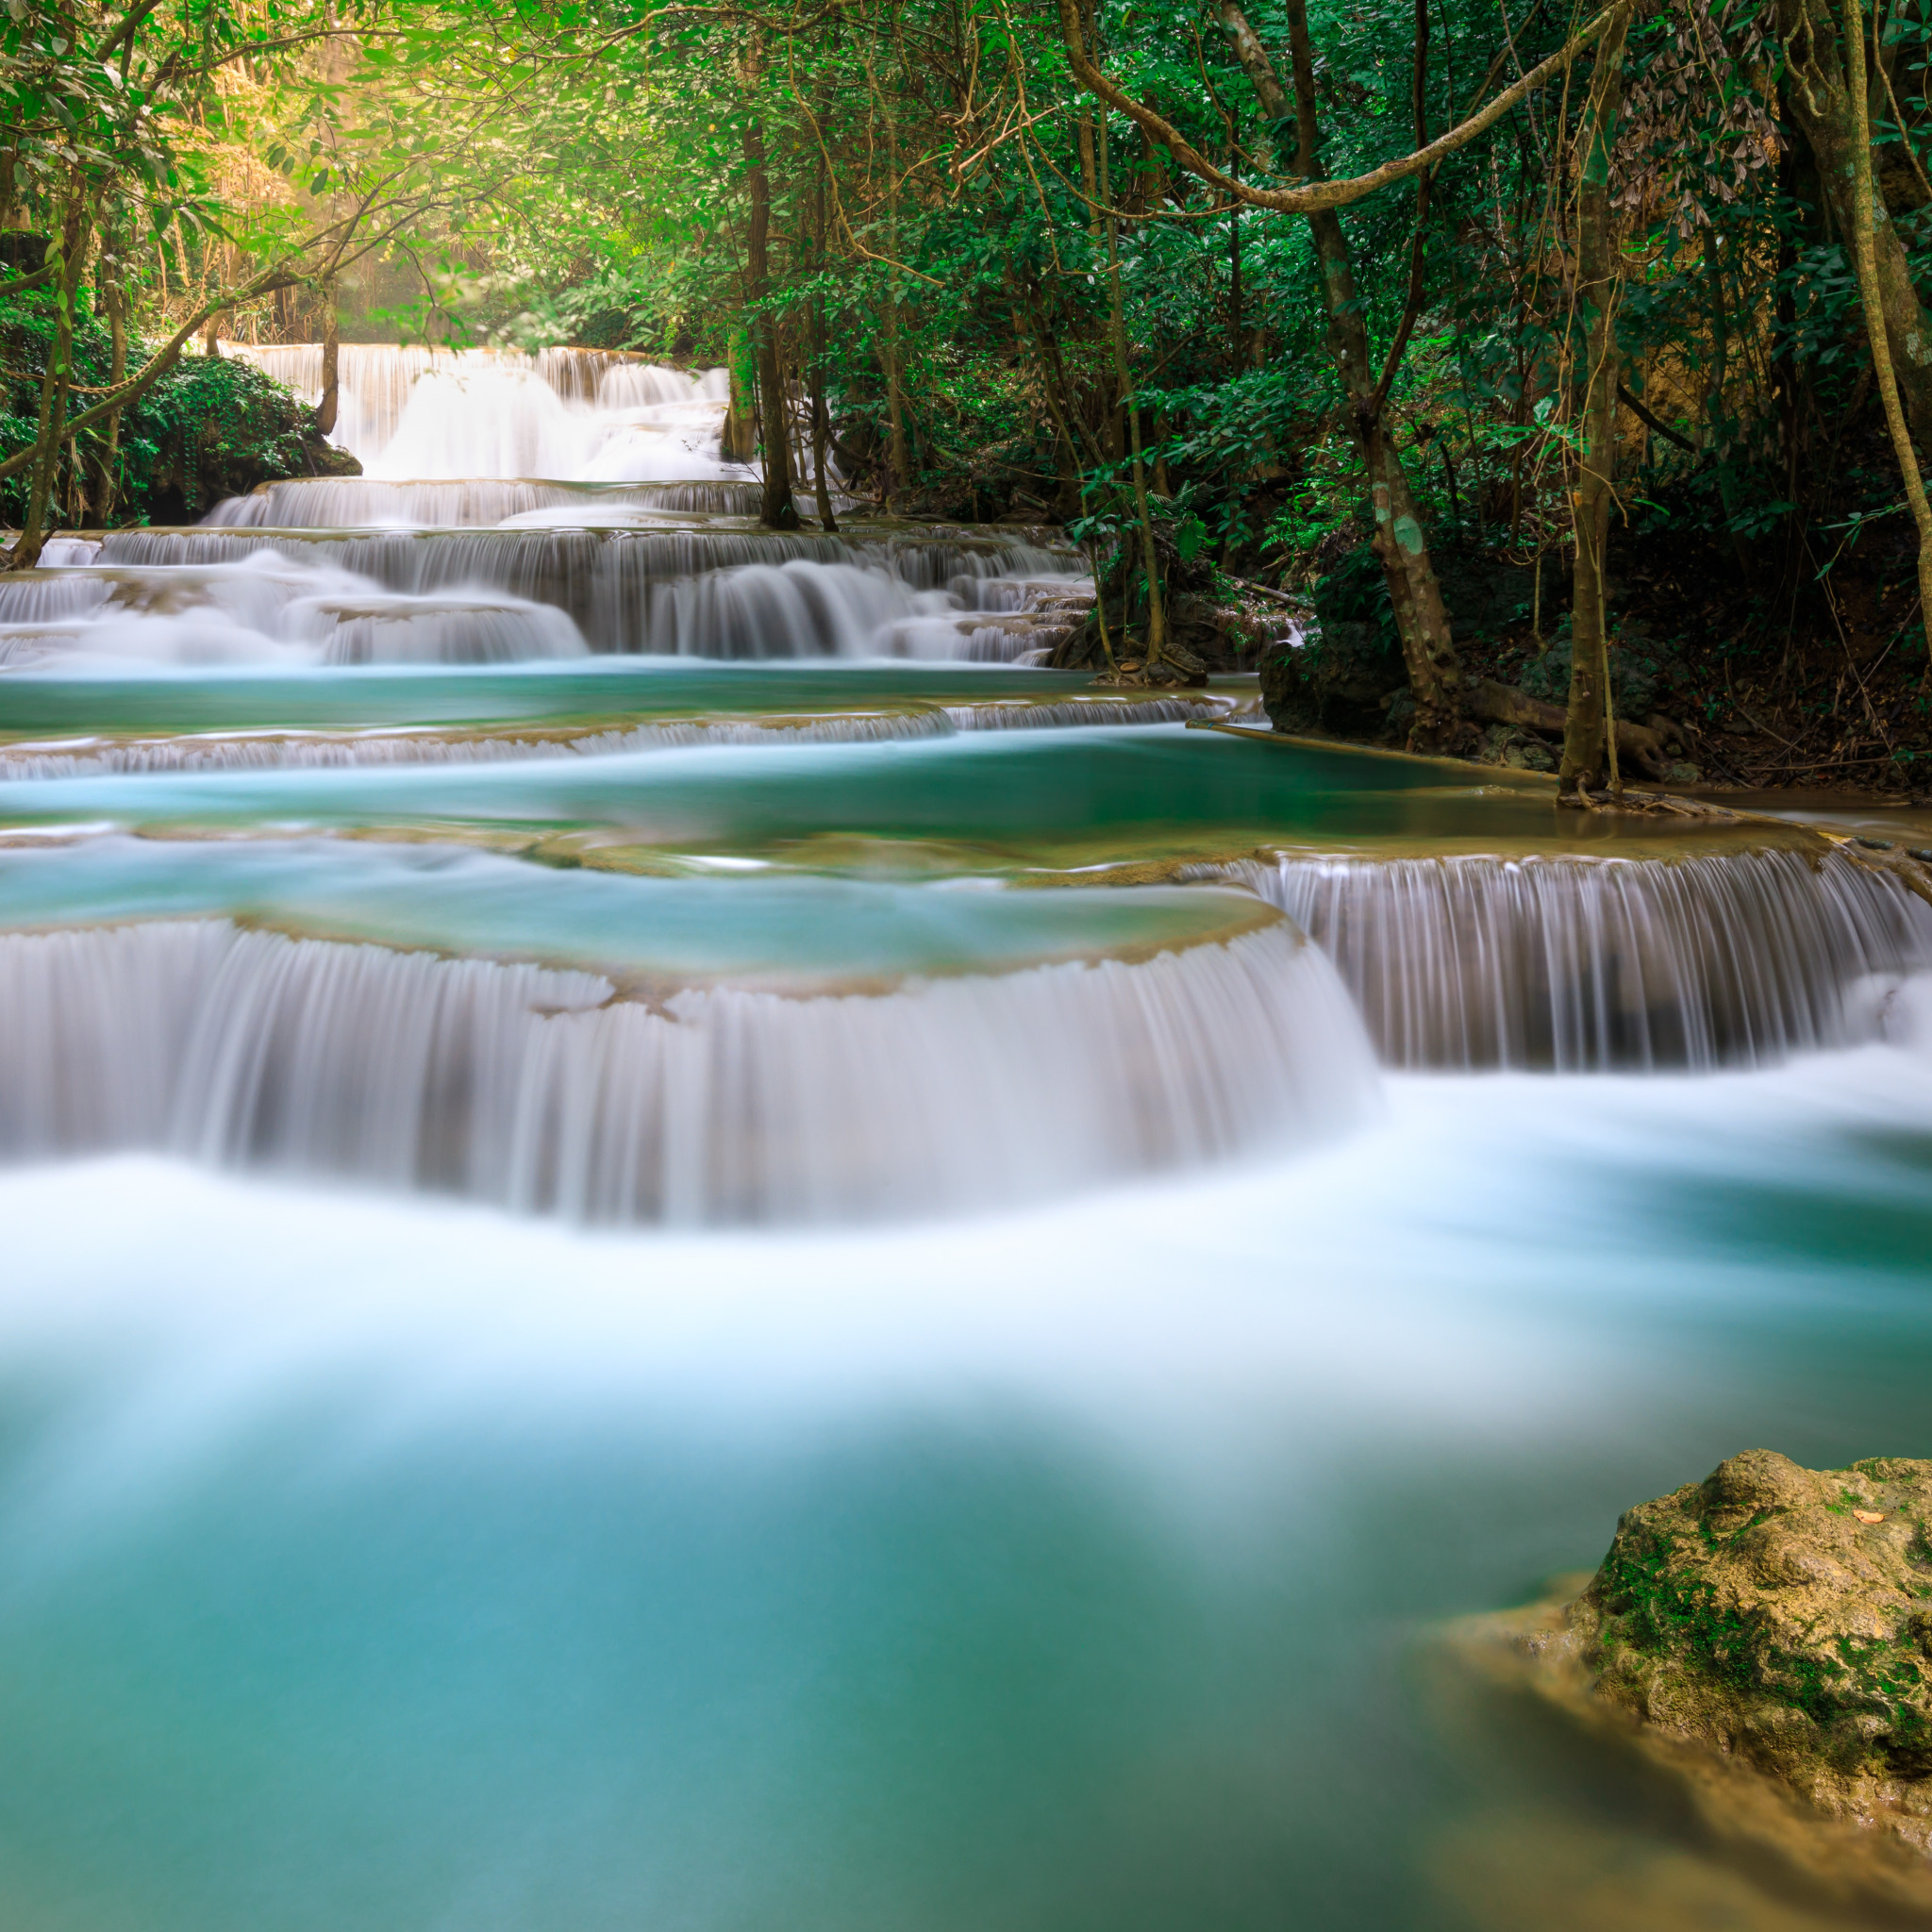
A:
(1784, 1615)
(212, 429)
(1765, 1636)
(1759, 1640)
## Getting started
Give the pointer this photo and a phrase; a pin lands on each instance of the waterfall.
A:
(548, 1090)
(363, 627)
(348, 503)
(265, 751)
(264, 609)
(706, 592)
(302, 751)
(1579, 964)
(425, 408)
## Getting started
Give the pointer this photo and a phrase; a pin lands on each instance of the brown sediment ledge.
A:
(1765, 1636)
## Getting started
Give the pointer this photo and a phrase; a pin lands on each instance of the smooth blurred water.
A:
(375, 1559)
(405, 1566)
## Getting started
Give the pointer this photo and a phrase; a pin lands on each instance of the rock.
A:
(1873, 845)
(1765, 1636)
(1777, 1612)
(212, 429)
(1345, 678)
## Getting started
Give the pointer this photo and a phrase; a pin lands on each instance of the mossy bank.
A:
(210, 428)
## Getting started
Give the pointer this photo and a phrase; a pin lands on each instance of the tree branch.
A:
(1317, 196)
(1635, 405)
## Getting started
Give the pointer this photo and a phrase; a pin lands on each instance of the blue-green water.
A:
(402, 1566)
(370, 1559)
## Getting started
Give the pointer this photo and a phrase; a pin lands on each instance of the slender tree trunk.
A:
(1236, 338)
(1818, 99)
(821, 434)
(820, 421)
(1150, 562)
(114, 296)
(1871, 287)
(51, 430)
(1589, 748)
(774, 404)
(331, 349)
(1157, 613)
(1428, 645)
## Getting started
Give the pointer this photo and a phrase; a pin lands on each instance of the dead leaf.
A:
(1868, 1516)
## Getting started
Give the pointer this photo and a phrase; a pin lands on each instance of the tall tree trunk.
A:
(331, 351)
(115, 298)
(1150, 562)
(1236, 338)
(1589, 741)
(1428, 645)
(1885, 366)
(1818, 98)
(737, 439)
(71, 238)
(778, 511)
(821, 419)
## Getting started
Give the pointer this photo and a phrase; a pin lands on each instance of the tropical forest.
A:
(965, 965)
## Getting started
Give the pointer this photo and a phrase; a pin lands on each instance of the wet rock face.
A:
(1784, 1615)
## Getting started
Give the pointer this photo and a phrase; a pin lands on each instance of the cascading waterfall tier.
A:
(326, 751)
(548, 1090)
(697, 593)
(266, 609)
(348, 503)
(1580, 964)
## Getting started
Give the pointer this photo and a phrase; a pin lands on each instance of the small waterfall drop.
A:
(294, 750)
(1583, 964)
(548, 1090)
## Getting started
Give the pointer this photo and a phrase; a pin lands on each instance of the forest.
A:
(1540, 386)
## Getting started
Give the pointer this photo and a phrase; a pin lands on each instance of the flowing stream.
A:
(688, 1247)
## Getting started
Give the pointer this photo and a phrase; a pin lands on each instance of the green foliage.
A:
(206, 430)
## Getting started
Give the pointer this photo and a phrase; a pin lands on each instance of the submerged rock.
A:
(1767, 1635)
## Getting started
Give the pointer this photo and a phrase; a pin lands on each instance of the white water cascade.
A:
(550, 1091)
(495, 482)
(351, 502)
(698, 591)
(296, 750)
(417, 412)
(1578, 964)
(264, 609)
